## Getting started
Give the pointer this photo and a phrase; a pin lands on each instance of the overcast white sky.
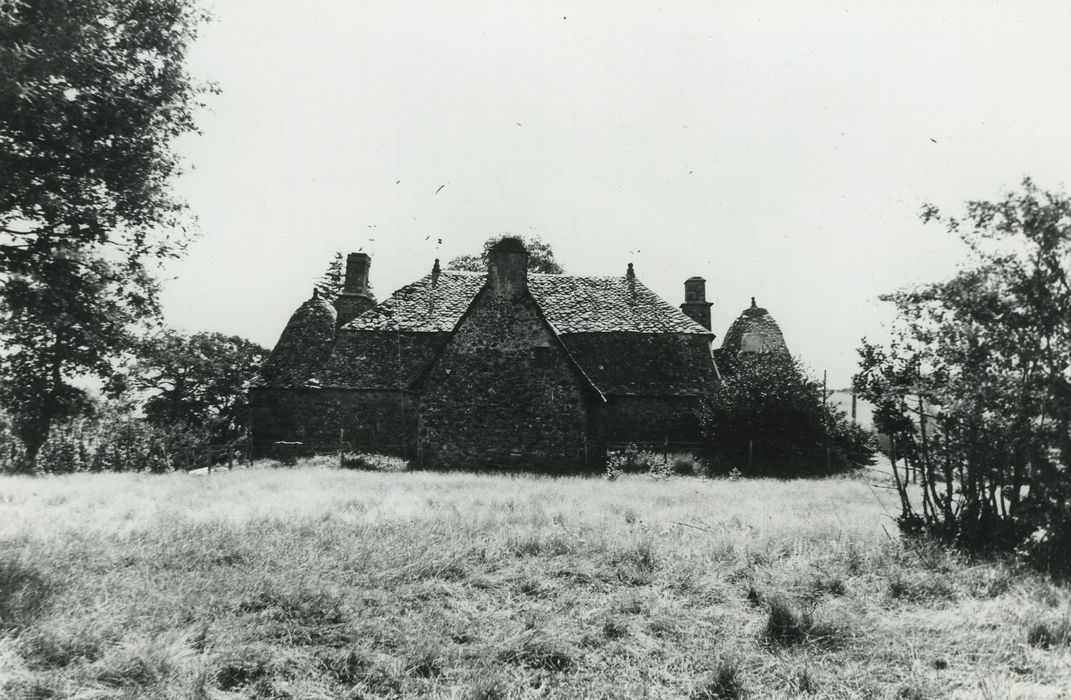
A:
(780, 150)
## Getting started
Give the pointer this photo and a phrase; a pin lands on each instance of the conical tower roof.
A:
(303, 346)
(754, 331)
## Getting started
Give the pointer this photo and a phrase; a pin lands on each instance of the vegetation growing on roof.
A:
(540, 256)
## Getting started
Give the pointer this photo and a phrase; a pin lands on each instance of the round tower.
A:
(304, 344)
(754, 332)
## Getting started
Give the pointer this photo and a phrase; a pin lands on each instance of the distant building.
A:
(499, 368)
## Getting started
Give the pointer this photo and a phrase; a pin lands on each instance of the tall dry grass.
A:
(316, 582)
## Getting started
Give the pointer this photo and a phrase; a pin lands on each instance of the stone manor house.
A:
(507, 367)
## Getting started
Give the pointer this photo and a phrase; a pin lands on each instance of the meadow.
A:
(315, 582)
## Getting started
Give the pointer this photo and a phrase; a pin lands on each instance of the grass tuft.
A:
(489, 686)
(425, 662)
(541, 651)
(1049, 635)
(614, 629)
(785, 628)
(23, 594)
(724, 683)
(920, 586)
(241, 666)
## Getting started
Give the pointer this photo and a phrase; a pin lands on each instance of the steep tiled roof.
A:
(425, 306)
(606, 305)
(570, 304)
(624, 338)
(755, 330)
(379, 359)
(626, 364)
(303, 345)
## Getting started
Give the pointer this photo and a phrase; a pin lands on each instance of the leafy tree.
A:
(68, 318)
(92, 94)
(540, 257)
(988, 350)
(196, 381)
(769, 401)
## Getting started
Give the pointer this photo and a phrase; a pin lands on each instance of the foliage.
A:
(114, 440)
(92, 93)
(983, 359)
(70, 317)
(540, 257)
(768, 400)
(198, 381)
(374, 462)
(632, 460)
(334, 277)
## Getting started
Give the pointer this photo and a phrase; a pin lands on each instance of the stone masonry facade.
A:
(505, 369)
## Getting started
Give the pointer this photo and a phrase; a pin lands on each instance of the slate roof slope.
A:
(623, 336)
(303, 346)
(644, 364)
(570, 304)
(425, 306)
(606, 305)
(379, 359)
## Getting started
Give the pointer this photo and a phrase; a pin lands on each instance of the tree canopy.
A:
(92, 95)
(768, 403)
(540, 257)
(988, 351)
(196, 380)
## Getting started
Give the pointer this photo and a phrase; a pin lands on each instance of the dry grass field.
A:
(318, 583)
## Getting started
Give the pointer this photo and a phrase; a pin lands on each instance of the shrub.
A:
(632, 460)
(370, 461)
(687, 464)
(111, 440)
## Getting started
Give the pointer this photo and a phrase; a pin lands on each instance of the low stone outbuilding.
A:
(499, 368)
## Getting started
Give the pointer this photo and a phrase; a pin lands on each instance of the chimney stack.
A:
(507, 268)
(357, 265)
(356, 297)
(696, 306)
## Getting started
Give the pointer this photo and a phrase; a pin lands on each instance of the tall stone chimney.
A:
(696, 306)
(507, 268)
(356, 297)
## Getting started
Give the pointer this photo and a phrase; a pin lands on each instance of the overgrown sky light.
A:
(780, 150)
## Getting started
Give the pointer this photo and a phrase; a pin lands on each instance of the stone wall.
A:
(503, 392)
(379, 421)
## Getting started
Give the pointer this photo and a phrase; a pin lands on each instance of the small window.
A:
(542, 357)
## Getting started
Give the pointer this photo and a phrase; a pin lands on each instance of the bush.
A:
(633, 460)
(373, 462)
(773, 412)
(687, 464)
(112, 440)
